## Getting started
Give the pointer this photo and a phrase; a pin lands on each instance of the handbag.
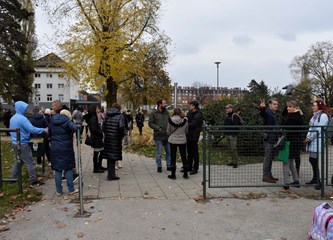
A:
(280, 142)
(283, 154)
(88, 140)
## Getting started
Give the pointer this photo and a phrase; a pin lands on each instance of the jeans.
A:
(26, 158)
(159, 144)
(69, 179)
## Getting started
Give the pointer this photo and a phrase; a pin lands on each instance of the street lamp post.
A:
(217, 72)
(175, 94)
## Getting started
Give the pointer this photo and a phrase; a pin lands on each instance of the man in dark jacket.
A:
(232, 119)
(114, 132)
(158, 120)
(37, 120)
(6, 119)
(269, 117)
(195, 121)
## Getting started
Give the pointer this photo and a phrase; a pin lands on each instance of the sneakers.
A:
(74, 192)
(295, 184)
(36, 184)
(75, 177)
(58, 193)
(159, 169)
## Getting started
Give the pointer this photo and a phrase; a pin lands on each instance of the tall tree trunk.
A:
(112, 92)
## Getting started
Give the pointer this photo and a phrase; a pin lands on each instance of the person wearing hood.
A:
(62, 151)
(292, 118)
(114, 132)
(177, 129)
(19, 120)
(38, 120)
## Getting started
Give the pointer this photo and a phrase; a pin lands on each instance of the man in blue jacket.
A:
(269, 117)
(19, 120)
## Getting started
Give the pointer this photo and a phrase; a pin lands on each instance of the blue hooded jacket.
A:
(19, 120)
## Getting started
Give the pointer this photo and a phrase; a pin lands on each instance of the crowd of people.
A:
(108, 133)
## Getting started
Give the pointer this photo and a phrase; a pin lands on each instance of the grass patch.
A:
(218, 154)
(10, 199)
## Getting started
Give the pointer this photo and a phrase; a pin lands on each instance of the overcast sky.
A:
(254, 39)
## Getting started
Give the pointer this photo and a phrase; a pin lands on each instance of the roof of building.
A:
(50, 60)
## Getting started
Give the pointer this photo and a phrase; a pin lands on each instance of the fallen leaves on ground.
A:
(3, 228)
(80, 235)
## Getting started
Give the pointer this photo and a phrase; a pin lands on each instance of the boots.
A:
(185, 172)
(315, 170)
(173, 173)
(95, 160)
(100, 159)
(112, 170)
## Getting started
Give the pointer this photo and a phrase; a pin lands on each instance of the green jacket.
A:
(158, 121)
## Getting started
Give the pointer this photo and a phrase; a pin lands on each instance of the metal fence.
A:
(7, 151)
(220, 171)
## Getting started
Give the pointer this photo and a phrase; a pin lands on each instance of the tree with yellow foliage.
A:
(107, 41)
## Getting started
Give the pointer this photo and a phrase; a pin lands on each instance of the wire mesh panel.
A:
(236, 158)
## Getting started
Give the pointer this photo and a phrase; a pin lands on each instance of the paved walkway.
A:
(145, 204)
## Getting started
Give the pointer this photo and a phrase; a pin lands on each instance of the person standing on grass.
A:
(158, 121)
(140, 119)
(6, 119)
(61, 132)
(234, 120)
(177, 129)
(19, 120)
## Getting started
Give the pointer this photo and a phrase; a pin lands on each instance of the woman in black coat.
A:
(114, 132)
(96, 135)
(293, 117)
(140, 119)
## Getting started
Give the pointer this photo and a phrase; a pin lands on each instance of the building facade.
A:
(182, 95)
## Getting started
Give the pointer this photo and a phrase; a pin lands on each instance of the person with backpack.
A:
(231, 133)
(314, 138)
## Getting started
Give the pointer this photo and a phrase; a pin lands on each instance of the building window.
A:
(37, 85)
(49, 97)
(37, 97)
(61, 97)
(61, 85)
(37, 75)
(49, 85)
(49, 75)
